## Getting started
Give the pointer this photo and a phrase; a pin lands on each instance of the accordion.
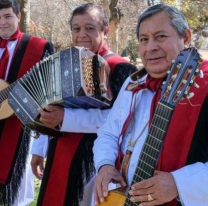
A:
(74, 77)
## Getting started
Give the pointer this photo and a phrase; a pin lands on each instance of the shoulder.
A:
(36, 44)
(36, 40)
(115, 58)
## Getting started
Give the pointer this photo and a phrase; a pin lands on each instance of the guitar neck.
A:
(152, 146)
(5, 92)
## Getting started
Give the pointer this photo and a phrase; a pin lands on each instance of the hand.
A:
(37, 166)
(52, 117)
(161, 187)
(106, 174)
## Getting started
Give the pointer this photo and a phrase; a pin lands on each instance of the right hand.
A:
(52, 115)
(107, 174)
(37, 164)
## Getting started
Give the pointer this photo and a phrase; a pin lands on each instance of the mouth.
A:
(3, 27)
(154, 59)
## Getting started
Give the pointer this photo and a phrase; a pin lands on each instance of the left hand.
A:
(161, 187)
(53, 115)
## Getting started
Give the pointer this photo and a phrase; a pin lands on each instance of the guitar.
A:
(179, 80)
(5, 110)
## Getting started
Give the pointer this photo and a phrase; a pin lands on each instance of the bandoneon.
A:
(74, 77)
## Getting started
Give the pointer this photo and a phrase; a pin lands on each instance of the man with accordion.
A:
(69, 173)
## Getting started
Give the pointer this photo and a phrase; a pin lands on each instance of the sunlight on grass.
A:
(37, 188)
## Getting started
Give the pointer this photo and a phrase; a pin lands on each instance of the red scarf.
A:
(5, 56)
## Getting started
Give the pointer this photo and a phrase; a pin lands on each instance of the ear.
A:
(19, 16)
(187, 38)
(107, 29)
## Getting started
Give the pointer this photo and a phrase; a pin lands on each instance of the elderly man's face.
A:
(159, 44)
(8, 22)
(87, 31)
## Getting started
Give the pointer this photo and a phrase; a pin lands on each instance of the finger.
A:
(105, 183)
(47, 115)
(144, 184)
(97, 188)
(40, 175)
(51, 108)
(45, 120)
(35, 171)
(100, 188)
(144, 199)
(119, 179)
(41, 166)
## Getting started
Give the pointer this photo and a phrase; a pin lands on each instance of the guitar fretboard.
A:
(152, 146)
(5, 92)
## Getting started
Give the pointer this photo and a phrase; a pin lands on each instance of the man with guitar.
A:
(161, 154)
(18, 53)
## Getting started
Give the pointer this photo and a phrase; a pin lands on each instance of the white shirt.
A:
(11, 47)
(191, 180)
(75, 120)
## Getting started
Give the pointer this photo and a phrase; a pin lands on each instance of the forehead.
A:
(6, 11)
(158, 22)
(91, 17)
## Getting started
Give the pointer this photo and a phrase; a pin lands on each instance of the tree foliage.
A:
(49, 19)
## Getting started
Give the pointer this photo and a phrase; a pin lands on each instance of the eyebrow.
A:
(7, 14)
(157, 32)
(84, 25)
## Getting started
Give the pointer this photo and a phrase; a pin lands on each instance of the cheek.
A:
(141, 54)
(74, 37)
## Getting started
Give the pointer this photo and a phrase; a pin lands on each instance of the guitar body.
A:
(115, 197)
(5, 110)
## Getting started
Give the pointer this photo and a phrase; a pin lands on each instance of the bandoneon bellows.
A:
(74, 77)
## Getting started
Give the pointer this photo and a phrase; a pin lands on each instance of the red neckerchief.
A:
(104, 50)
(5, 56)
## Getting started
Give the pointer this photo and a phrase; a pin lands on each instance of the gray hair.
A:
(177, 19)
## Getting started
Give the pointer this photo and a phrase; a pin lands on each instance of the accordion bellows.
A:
(74, 77)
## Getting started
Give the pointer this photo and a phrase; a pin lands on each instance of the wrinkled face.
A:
(87, 31)
(159, 44)
(8, 22)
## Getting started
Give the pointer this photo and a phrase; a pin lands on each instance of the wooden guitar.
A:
(5, 110)
(180, 78)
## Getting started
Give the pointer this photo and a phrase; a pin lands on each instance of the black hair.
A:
(84, 8)
(4, 4)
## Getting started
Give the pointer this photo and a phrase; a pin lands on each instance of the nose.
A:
(152, 45)
(82, 32)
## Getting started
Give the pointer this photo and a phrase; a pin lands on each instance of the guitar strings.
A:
(152, 146)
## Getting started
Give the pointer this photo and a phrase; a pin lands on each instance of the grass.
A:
(37, 188)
